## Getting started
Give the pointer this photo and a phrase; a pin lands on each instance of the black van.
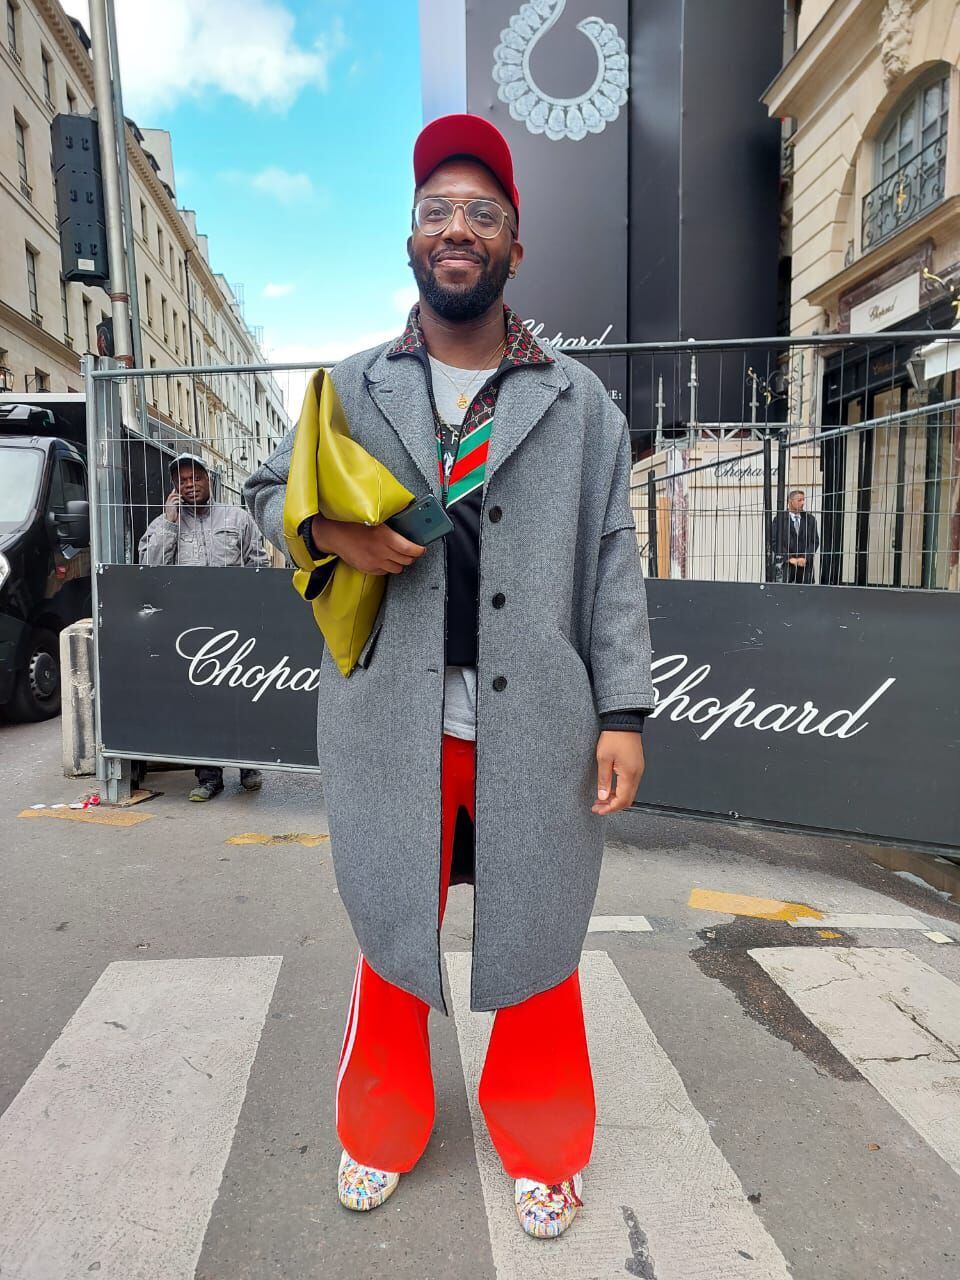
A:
(44, 557)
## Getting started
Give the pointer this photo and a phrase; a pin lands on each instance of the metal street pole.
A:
(119, 298)
(120, 130)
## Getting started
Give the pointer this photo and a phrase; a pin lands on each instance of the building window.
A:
(47, 76)
(67, 336)
(170, 250)
(148, 294)
(163, 318)
(153, 383)
(32, 286)
(20, 131)
(41, 380)
(13, 29)
(86, 324)
(910, 160)
(176, 333)
(143, 219)
(180, 275)
(71, 102)
(160, 246)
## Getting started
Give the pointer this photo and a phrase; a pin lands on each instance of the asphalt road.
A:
(774, 1099)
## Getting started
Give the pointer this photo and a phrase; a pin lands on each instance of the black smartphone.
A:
(422, 522)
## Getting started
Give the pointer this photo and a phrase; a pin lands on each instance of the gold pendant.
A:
(463, 402)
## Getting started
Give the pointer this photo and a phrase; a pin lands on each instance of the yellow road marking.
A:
(741, 904)
(828, 933)
(293, 837)
(98, 817)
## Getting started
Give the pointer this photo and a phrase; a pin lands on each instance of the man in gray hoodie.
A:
(194, 530)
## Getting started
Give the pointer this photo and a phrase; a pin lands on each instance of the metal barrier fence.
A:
(866, 428)
(231, 419)
(709, 493)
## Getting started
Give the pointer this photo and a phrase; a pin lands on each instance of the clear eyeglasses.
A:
(485, 218)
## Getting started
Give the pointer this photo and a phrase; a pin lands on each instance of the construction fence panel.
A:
(866, 427)
(752, 721)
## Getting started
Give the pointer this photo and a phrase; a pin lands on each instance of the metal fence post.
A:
(105, 483)
(654, 568)
(767, 507)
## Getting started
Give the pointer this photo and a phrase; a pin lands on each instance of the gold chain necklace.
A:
(462, 401)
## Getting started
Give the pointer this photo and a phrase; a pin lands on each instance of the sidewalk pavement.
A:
(779, 1092)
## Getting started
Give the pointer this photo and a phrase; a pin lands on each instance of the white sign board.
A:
(887, 307)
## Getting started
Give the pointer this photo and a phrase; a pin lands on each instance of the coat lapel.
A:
(525, 395)
(529, 385)
(398, 388)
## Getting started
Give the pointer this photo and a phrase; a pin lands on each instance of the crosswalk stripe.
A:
(894, 1017)
(111, 1154)
(619, 924)
(660, 1199)
(851, 920)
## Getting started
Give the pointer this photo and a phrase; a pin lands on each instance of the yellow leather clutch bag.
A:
(333, 475)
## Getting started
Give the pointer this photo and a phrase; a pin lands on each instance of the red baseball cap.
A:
(465, 135)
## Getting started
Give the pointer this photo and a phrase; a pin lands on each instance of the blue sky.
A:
(293, 123)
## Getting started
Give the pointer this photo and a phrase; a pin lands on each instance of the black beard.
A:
(461, 304)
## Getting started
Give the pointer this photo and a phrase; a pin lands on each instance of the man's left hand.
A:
(619, 753)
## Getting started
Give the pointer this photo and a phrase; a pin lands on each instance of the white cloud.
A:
(280, 184)
(245, 48)
(330, 346)
(324, 350)
(284, 186)
(278, 290)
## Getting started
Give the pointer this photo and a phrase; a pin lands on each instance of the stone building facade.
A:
(189, 313)
(869, 97)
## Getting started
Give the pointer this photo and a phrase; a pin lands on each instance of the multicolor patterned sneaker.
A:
(546, 1211)
(361, 1188)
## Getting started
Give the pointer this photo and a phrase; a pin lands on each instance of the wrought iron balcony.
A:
(905, 194)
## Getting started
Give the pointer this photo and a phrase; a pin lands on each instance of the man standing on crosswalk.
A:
(504, 687)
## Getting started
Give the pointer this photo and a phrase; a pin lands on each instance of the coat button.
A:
(500, 683)
(495, 515)
(499, 600)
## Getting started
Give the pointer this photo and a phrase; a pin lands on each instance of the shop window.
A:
(910, 162)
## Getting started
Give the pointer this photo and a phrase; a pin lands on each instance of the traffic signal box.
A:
(80, 210)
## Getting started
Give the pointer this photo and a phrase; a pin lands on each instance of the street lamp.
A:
(916, 370)
(241, 450)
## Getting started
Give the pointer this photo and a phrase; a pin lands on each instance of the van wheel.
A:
(37, 695)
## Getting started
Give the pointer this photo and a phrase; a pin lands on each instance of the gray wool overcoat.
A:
(572, 641)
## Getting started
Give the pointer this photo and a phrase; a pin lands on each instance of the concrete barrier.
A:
(77, 699)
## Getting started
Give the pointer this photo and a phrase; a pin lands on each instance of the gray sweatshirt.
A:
(217, 535)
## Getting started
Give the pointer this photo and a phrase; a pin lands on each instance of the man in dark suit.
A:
(793, 540)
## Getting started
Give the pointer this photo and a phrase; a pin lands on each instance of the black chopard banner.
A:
(554, 77)
(823, 707)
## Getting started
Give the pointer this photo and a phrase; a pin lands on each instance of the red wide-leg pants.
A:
(536, 1089)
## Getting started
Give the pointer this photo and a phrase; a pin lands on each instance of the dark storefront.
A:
(885, 517)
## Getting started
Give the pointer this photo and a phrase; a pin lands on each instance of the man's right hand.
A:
(171, 508)
(376, 549)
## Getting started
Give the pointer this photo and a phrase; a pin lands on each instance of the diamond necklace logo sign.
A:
(558, 118)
